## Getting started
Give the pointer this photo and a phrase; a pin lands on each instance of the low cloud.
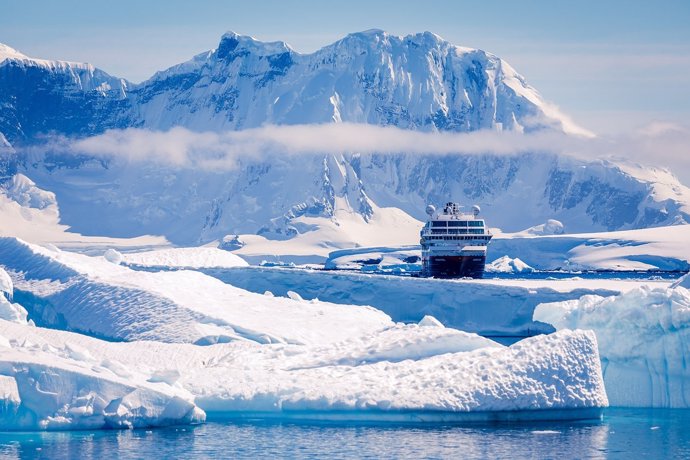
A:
(658, 144)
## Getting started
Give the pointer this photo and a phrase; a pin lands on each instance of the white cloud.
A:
(660, 145)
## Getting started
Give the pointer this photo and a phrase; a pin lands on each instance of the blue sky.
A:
(612, 65)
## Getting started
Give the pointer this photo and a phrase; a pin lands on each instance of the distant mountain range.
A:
(418, 82)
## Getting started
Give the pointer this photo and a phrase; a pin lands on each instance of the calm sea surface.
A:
(623, 433)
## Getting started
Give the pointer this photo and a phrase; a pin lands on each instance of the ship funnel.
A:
(430, 210)
(476, 210)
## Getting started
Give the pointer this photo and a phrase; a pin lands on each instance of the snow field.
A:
(661, 248)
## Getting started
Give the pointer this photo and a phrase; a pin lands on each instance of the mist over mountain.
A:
(419, 82)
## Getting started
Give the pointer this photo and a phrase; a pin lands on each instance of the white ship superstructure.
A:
(454, 243)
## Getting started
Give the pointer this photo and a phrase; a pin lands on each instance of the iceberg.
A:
(91, 295)
(683, 281)
(53, 379)
(507, 265)
(644, 341)
(8, 310)
(188, 346)
(490, 307)
(49, 388)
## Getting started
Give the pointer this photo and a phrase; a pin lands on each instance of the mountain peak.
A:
(232, 42)
(370, 33)
(426, 37)
(7, 52)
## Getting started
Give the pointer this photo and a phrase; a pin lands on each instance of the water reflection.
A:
(622, 433)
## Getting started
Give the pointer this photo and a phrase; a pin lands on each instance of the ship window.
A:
(476, 223)
(457, 223)
(476, 230)
(439, 231)
(438, 223)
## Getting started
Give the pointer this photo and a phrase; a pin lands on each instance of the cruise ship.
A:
(454, 243)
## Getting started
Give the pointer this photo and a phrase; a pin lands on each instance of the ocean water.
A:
(622, 433)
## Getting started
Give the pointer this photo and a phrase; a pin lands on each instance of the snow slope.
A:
(643, 338)
(33, 214)
(348, 199)
(406, 373)
(94, 296)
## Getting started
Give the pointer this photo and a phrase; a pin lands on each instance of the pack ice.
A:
(644, 341)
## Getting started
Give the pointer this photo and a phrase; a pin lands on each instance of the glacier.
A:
(643, 341)
(342, 201)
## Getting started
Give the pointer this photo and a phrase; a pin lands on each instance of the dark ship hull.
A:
(454, 266)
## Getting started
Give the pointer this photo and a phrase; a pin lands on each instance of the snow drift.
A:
(644, 342)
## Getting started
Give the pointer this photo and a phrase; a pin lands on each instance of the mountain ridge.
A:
(418, 81)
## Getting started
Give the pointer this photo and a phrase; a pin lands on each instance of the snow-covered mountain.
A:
(359, 196)
(39, 96)
(417, 82)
